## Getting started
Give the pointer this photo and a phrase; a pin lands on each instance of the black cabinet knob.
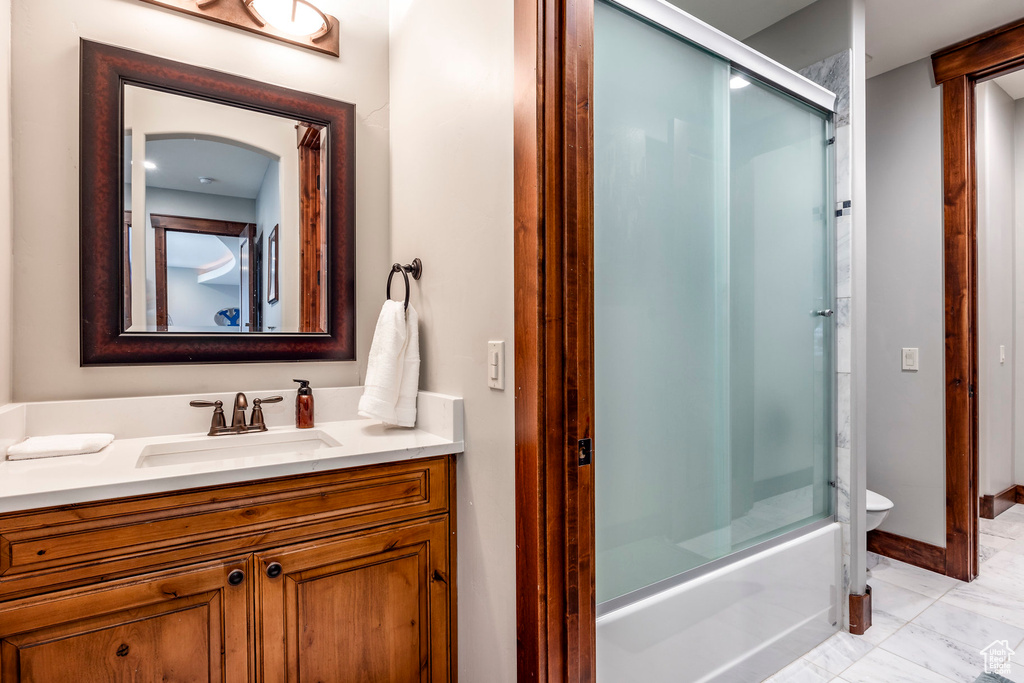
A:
(236, 577)
(274, 570)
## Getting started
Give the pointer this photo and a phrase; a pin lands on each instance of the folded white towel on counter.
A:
(393, 367)
(58, 444)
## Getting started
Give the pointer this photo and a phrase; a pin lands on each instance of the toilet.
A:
(877, 509)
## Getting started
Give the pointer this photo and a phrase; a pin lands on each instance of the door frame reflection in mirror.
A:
(163, 224)
(105, 70)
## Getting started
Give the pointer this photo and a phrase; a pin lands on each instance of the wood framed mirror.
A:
(186, 174)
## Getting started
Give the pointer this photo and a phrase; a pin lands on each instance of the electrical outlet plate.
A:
(910, 359)
(496, 365)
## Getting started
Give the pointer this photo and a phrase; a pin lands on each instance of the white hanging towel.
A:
(393, 368)
(59, 444)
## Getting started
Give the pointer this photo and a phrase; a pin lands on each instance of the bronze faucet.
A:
(238, 426)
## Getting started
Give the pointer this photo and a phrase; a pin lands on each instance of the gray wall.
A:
(268, 214)
(824, 28)
(905, 410)
(995, 161)
(1018, 162)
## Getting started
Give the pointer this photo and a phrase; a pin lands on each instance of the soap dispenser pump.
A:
(304, 405)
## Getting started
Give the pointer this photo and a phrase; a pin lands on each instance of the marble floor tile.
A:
(1014, 514)
(839, 652)
(997, 542)
(968, 627)
(913, 578)
(1007, 528)
(980, 599)
(881, 666)
(883, 625)
(986, 553)
(898, 601)
(935, 652)
(1003, 572)
(801, 671)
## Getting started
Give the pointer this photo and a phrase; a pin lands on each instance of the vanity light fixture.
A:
(150, 166)
(737, 82)
(205, 180)
(298, 22)
(294, 17)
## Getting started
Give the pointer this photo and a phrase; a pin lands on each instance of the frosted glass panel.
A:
(711, 243)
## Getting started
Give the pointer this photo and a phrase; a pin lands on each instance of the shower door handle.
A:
(827, 313)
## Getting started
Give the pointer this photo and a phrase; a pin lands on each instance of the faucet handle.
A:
(198, 403)
(257, 411)
(217, 424)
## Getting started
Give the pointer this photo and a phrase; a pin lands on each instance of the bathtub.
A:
(738, 623)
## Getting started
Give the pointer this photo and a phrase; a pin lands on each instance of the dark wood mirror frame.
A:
(104, 72)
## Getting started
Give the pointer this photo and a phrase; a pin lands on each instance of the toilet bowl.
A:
(877, 509)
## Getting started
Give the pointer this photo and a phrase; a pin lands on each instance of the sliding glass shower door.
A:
(713, 335)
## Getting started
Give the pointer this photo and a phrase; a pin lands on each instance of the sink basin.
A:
(234, 446)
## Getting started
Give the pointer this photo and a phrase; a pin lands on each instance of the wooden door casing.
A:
(188, 624)
(373, 607)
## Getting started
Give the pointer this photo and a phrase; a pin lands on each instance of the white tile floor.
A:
(928, 628)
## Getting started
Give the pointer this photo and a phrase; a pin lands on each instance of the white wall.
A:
(6, 213)
(452, 178)
(46, 37)
(906, 410)
(995, 162)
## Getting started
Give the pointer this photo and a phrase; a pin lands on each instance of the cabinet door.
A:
(368, 608)
(188, 624)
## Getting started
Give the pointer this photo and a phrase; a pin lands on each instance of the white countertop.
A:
(120, 469)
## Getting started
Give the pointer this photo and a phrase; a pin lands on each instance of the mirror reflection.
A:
(223, 218)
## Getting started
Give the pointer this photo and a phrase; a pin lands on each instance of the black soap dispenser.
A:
(304, 405)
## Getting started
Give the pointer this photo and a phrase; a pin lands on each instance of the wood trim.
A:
(273, 265)
(555, 603)
(1020, 493)
(126, 273)
(311, 233)
(203, 226)
(981, 55)
(960, 256)
(909, 550)
(160, 248)
(860, 612)
(991, 506)
(104, 69)
(958, 69)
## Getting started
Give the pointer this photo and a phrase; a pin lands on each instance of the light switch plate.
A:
(496, 365)
(910, 359)
(1002, 354)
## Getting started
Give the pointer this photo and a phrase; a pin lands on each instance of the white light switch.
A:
(1002, 354)
(910, 360)
(496, 365)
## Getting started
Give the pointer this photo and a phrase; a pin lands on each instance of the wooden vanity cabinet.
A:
(304, 588)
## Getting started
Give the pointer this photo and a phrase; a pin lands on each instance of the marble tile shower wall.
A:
(833, 73)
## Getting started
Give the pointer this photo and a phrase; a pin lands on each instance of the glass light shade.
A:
(279, 14)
